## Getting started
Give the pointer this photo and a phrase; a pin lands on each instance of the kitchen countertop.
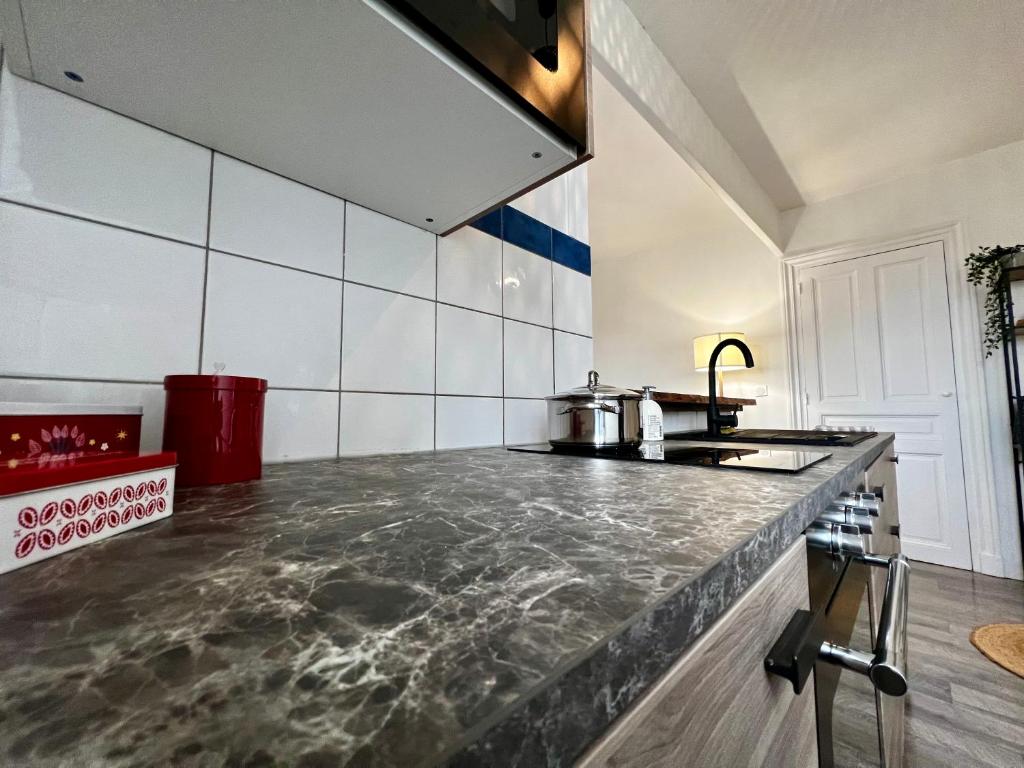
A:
(475, 607)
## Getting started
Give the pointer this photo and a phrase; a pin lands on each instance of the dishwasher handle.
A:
(886, 665)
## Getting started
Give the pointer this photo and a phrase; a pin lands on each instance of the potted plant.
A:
(985, 269)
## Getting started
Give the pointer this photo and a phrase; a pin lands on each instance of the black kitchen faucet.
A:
(717, 420)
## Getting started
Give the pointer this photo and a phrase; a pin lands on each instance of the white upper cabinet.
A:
(347, 97)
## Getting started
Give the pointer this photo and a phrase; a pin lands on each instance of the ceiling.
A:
(824, 97)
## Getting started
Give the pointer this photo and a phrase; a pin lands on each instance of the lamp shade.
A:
(731, 358)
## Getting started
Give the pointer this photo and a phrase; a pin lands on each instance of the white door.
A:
(878, 353)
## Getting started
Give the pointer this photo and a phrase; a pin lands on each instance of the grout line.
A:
(159, 383)
(501, 278)
(303, 389)
(206, 265)
(77, 379)
(554, 375)
(435, 340)
(87, 220)
(276, 264)
(426, 394)
(389, 290)
(341, 331)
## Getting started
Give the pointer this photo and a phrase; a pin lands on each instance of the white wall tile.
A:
(389, 342)
(257, 213)
(275, 323)
(469, 270)
(299, 425)
(467, 422)
(389, 253)
(528, 360)
(526, 421)
(468, 352)
(149, 396)
(546, 203)
(527, 285)
(577, 203)
(386, 423)
(574, 357)
(573, 305)
(84, 300)
(64, 154)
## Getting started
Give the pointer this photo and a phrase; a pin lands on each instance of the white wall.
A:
(985, 194)
(671, 262)
(127, 254)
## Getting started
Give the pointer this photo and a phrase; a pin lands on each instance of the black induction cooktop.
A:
(772, 459)
(778, 436)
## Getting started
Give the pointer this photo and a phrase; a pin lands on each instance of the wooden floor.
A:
(962, 710)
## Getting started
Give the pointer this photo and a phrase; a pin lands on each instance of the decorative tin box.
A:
(46, 512)
(50, 435)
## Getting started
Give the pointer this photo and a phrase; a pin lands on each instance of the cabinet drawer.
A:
(717, 706)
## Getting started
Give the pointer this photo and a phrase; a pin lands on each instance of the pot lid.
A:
(594, 390)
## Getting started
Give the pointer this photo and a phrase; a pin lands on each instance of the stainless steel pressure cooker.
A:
(593, 416)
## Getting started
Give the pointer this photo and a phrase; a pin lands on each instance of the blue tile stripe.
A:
(490, 223)
(514, 226)
(526, 232)
(570, 252)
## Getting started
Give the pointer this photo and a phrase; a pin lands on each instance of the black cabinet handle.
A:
(895, 459)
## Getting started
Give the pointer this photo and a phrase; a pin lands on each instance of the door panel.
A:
(878, 353)
(904, 346)
(835, 300)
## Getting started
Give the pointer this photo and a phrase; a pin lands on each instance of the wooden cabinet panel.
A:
(717, 706)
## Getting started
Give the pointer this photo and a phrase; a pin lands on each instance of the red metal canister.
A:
(215, 425)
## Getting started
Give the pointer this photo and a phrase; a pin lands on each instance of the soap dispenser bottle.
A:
(651, 423)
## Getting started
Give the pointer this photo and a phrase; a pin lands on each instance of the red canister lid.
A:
(211, 381)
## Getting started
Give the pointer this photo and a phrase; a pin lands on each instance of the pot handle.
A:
(591, 407)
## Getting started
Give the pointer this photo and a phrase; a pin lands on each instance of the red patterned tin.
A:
(45, 512)
(51, 436)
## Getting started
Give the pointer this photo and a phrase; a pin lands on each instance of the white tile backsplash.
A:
(527, 285)
(572, 300)
(299, 425)
(468, 352)
(66, 155)
(257, 213)
(468, 422)
(389, 253)
(84, 300)
(577, 203)
(526, 421)
(528, 360)
(91, 312)
(388, 343)
(149, 396)
(469, 270)
(574, 358)
(274, 323)
(372, 423)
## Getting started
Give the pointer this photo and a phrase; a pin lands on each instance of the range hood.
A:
(346, 96)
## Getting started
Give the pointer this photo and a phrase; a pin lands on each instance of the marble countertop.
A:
(466, 608)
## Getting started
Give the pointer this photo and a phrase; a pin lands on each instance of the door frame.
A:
(968, 363)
